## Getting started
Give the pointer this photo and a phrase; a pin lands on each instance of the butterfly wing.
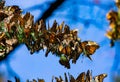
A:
(67, 29)
(66, 79)
(71, 78)
(100, 77)
(88, 76)
(54, 27)
(2, 16)
(2, 2)
(89, 47)
(81, 77)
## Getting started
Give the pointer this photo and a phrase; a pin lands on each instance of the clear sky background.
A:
(89, 17)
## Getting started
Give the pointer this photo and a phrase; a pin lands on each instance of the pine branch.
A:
(16, 29)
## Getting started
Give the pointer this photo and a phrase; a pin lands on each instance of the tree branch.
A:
(51, 9)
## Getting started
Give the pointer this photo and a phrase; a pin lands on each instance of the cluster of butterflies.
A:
(34, 80)
(114, 17)
(82, 77)
(7, 36)
(16, 29)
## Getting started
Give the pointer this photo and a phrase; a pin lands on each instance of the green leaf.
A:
(1, 47)
(33, 36)
(20, 37)
(7, 34)
(63, 57)
(20, 30)
(2, 24)
(2, 28)
(40, 33)
(20, 34)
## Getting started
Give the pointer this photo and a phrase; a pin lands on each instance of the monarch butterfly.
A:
(76, 54)
(41, 26)
(89, 47)
(58, 79)
(81, 77)
(11, 41)
(109, 34)
(74, 34)
(72, 79)
(100, 77)
(83, 44)
(28, 19)
(26, 16)
(2, 2)
(41, 80)
(60, 47)
(52, 37)
(60, 27)
(113, 25)
(112, 16)
(54, 27)
(117, 3)
(17, 79)
(66, 80)
(14, 9)
(66, 50)
(15, 18)
(2, 16)
(67, 29)
(88, 76)
(26, 32)
(47, 52)
(59, 37)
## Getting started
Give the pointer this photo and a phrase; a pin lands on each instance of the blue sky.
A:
(90, 20)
